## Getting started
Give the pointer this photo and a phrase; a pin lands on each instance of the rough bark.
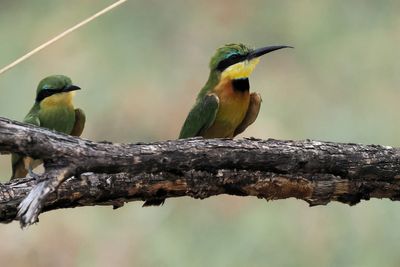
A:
(317, 172)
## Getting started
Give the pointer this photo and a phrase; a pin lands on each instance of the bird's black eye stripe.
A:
(46, 93)
(230, 61)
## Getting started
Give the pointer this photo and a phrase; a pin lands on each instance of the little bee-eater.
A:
(53, 109)
(224, 107)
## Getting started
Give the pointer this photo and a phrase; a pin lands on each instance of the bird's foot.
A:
(33, 174)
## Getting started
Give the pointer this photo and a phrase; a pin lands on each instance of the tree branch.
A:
(317, 172)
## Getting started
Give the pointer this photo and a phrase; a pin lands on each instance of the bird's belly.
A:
(61, 119)
(230, 114)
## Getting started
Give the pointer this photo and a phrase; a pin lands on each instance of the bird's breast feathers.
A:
(232, 109)
(57, 113)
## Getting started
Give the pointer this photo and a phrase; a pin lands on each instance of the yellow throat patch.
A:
(61, 99)
(240, 70)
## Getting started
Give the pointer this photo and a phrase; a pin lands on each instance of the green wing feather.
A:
(80, 119)
(201, 117)
(17, 163)
(33, 117)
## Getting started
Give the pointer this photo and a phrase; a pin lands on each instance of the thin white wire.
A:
(61, 35)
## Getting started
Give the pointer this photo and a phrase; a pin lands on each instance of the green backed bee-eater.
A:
(225, 107)
(53, 109)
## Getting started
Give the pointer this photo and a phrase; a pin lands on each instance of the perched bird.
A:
(224, 107)
(53, 109)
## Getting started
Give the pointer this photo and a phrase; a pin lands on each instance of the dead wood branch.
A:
(111, 174)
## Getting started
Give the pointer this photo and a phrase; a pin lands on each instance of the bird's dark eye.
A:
(231, 60)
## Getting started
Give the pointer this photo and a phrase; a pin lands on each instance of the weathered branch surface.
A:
(317, 172)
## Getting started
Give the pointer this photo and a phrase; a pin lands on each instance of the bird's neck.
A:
(232, 89)
(214, 81)
(241, 85)
(58, 100)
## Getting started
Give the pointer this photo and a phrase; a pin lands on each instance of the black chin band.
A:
(242, 85)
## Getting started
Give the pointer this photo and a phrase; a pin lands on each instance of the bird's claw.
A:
(33, 174)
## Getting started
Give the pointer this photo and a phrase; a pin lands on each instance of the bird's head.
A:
(237, 61)
(55, 90)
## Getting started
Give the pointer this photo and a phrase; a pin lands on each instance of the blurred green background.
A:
(141, 67)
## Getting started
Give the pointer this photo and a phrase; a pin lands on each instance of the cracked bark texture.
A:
(314, 171)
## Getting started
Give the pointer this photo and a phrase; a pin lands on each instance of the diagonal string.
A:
(61, 35)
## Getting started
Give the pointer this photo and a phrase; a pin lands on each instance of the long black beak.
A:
(71, 88)
(265, 50)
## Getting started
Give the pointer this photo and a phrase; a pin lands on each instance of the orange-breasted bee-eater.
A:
(53, 109)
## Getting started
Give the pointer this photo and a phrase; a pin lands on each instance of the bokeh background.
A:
(141, 66)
